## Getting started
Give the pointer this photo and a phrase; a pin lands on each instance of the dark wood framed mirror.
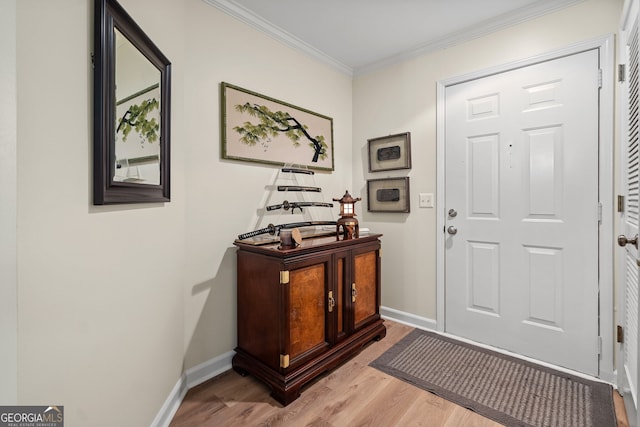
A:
(132, 104)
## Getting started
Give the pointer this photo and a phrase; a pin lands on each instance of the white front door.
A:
(521, 193)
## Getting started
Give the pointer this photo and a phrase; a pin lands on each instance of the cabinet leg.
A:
(240, 371)
(285, 396)
(382, 334)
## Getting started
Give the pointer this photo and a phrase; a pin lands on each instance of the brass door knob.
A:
(624, 240)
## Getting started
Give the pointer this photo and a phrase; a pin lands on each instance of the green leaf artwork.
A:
(136, 118)
(271, 123)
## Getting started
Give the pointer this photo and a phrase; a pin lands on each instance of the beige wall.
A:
(402, 98)
(115, 303)
(100, 312)
(223, 196)
(8, 212)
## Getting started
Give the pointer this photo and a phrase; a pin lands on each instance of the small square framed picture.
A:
(388, 195)
(390, 152)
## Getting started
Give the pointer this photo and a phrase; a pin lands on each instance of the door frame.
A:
(606, 48)
(628, 16)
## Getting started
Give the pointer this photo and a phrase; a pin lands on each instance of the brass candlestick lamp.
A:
(349, 225)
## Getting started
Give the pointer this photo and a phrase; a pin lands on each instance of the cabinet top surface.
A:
(308, 245)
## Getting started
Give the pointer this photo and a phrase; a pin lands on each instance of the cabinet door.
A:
(258, 307)
(306, 299)
(365, 285)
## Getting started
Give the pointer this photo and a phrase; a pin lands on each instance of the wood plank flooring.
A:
(354, 394)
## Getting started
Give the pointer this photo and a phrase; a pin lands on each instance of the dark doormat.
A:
(505, 389)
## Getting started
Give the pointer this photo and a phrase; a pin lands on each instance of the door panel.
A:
(484, 283)
(484, 176)
(545, 290)
(522, 173)
(543, 183)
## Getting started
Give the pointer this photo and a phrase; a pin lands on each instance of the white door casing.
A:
(519, 209)
(630, 215)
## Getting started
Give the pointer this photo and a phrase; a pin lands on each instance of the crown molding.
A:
(248, 17)
(483, 28)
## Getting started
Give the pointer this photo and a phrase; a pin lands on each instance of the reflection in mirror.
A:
(137, 121)
(132, 100)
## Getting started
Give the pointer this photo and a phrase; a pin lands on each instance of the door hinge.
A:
(622, 73)
(600, 78)
(620, 203)
(284, 360)
(619, 334)
(599, 212)
(354, 292)
(599, 346)
(284, 277)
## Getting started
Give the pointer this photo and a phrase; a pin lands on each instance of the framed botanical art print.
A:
(258, 128)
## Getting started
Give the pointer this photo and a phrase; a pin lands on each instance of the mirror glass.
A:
(137, 121)
(132, 101)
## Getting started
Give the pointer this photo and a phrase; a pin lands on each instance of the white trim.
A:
(488, 26)
(440, 217)
(605, 45)
(171, 405)
(220, 364)
(627, 14)
(209, 369)
(595, 43)
(482, 29)
(8, 202)
(607, 196)
(191, 378)
(407, 318)
(248, 17)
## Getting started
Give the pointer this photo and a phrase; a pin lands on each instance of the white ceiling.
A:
(358, 35)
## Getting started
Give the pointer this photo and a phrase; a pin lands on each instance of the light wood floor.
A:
(354, 394)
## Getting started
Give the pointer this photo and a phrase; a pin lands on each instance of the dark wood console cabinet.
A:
(304, 311)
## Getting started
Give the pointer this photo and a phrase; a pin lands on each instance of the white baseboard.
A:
(209, 369)
(408, 318)
(216, 366)
(191, 378)
(171, 405)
